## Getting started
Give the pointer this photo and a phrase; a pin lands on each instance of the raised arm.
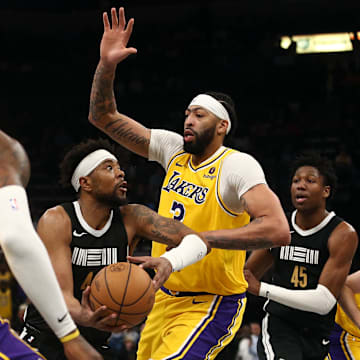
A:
(268, 228)
(103, 112)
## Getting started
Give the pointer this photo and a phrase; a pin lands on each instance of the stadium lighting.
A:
(319, 43)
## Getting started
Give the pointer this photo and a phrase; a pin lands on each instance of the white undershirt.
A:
(240, 171)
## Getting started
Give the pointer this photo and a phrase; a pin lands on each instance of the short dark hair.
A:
(73, 157)
(322, 164)
(229, 105)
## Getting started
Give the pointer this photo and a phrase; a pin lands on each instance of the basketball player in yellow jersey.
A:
(208, 187)
(345, 337)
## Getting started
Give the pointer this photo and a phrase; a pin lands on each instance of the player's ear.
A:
(326, 191)
(85, 183)
(223, 124)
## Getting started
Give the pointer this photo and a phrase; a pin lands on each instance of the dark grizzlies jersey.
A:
(298, 267)
(91, 251)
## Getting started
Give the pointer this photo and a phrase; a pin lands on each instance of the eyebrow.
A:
(109, 161)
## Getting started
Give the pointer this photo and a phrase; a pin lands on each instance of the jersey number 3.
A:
(178, 210)
(299, 276)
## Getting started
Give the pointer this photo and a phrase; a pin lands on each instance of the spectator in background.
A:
(244, 348)
(255, 331)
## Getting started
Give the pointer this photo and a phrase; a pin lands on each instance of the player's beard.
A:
(112, 200)
(201, 141)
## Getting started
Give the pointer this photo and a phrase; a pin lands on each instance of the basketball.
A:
(125, 289)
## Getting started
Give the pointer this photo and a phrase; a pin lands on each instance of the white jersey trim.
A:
(87, 227)
(240, 171)
(313, 230)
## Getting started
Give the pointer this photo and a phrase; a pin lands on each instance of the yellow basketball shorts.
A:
(190, 326)
(343, 346)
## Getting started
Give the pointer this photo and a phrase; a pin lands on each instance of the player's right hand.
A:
(80, 349)
(99, 319)
(113, 47)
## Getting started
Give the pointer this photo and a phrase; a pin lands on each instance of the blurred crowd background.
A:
(286, 103)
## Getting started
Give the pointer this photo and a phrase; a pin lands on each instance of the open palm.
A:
(113, 48)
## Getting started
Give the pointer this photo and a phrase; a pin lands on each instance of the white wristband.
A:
(319, 300)
(191, 249)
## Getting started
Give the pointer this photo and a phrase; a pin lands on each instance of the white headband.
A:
(214, 106)
(88, 164)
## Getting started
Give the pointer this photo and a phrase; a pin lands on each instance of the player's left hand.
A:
(161, 265)
(254, 283)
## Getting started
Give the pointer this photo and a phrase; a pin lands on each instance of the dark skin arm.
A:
(141, 221)
(342, 245)
(269, 227)
(347, 300)
(103, 111)
(259, 262)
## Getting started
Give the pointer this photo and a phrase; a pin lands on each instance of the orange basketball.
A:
(125, 289)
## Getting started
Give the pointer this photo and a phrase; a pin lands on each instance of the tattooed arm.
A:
(141, 221)
(103, 111)
(189, 247)
(268, 228)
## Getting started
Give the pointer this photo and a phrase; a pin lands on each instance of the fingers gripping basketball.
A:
(125, 289)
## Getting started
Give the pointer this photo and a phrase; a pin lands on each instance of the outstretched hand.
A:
(161, 265)
(113, 47)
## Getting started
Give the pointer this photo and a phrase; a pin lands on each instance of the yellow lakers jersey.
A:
(343, 320)
(191, 195)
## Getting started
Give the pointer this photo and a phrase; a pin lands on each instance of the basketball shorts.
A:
(192, 326)
(12, 347)
(282, 340)
(50, 346)
(343, 346)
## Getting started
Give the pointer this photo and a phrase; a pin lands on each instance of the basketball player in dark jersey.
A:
(97, 230)
(29, 262)
(308, 274)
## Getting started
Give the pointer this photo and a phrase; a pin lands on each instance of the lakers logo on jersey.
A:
(185, 188)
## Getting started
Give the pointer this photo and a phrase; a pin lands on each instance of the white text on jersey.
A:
(94, 257)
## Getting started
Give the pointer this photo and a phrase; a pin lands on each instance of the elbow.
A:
(282, 235)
